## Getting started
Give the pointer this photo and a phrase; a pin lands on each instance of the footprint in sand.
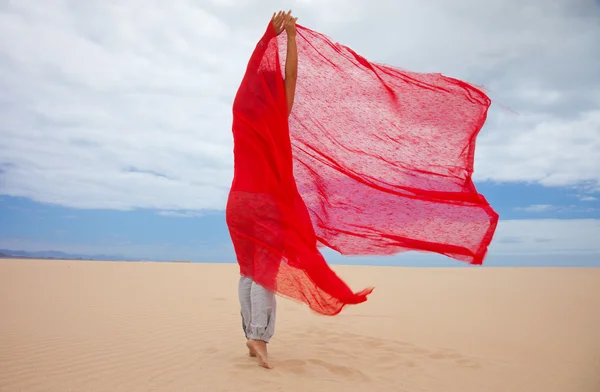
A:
(456, 357)
(246, 365)
(296, 366)
(469, 363)
(389, 352)
(211, 350)
(369, 342)
(340, 370)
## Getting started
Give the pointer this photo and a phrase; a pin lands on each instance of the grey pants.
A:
(258, 310)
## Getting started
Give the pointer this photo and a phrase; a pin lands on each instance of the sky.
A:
(115, 117)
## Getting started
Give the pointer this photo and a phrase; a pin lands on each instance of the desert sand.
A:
(115, 326)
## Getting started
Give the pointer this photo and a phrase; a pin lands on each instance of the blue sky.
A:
(153, 235)
(115, 123)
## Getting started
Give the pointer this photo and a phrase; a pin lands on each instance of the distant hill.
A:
(54, 254)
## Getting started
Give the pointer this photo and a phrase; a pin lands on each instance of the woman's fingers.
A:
(278, 21)
(283, 20)
(291, 21)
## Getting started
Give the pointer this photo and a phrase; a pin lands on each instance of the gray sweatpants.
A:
(258, 310)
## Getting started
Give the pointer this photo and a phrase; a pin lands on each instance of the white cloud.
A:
(125, 105)
(544, 149)
(547, 236)
(540, 208)
(537, 208)
(588, 198)
(181, 214)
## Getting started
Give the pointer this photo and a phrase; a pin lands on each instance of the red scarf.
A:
(373, 160)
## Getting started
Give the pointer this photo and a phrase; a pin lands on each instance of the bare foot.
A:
(251, 352)
(260, 349)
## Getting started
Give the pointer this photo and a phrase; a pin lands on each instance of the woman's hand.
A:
(290, 25)
(279, 20)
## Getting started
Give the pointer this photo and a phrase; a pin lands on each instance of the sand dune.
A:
(107, 326)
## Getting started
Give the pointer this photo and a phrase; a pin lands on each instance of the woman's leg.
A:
(244, 294)
(262, 324)
(263, 307)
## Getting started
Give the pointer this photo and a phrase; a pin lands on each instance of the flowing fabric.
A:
(373, 160)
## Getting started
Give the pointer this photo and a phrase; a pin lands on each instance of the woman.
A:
(253, 216)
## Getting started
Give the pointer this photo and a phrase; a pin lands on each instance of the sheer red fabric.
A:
(373, 160)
